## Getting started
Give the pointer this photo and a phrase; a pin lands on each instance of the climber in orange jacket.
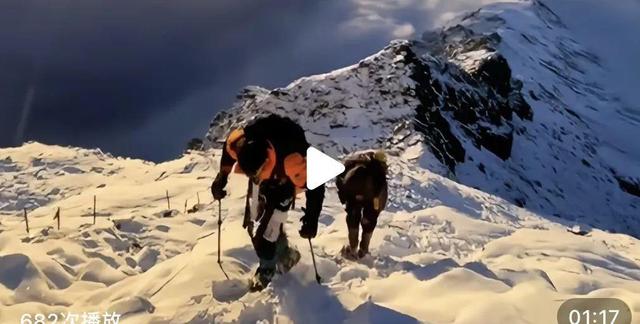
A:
(271, 151)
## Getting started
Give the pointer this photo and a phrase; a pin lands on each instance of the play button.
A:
(321, 168)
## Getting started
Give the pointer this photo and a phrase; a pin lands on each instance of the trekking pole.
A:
(313, 258)
(247, 222)
(219, 235)
(219, 226)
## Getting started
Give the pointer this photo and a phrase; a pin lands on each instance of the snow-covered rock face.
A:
(503, 100)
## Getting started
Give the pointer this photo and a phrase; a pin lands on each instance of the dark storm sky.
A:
(139, 78)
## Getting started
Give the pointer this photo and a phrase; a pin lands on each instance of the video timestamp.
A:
(594, 311)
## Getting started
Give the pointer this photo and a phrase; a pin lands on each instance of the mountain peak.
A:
(499, 100)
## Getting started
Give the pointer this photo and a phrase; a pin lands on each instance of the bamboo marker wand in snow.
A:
(168, 202)
(26, 220)
(185, 205)
(57, 216)
(198, 195)
(94, 209)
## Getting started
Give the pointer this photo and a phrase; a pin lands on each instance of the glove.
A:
(309, 227)
(217, 187)
(308, 230)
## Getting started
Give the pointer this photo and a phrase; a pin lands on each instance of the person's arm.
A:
(339, 185)
(226, 165)
(227, 161)
(315, 198)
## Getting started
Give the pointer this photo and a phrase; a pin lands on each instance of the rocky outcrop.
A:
(482, 101)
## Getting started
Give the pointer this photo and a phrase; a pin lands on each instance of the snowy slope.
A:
(486, 124)
(504, 100)
(462, 257)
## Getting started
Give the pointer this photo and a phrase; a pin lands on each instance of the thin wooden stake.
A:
(26, 220)
(185, 205)
(57, 216)
(94, 209)
(168, 202)
(198, 194)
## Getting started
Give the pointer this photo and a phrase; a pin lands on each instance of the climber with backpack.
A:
(362, 188)
(271, 152)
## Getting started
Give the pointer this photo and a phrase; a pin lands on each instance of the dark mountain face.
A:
(483, 102)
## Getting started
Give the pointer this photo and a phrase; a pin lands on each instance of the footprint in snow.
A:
(229, 290)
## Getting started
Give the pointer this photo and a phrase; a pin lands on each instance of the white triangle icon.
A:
(321, 168)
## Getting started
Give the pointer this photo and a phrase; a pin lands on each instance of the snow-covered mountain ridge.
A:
(503, 100)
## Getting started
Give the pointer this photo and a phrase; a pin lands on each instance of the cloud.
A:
(140, 78)
(405, 30)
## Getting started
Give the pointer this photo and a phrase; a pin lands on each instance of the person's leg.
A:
(286, 255)
(282, 246)
(354, 214)
(370, 216)
(253, 207)
(255, 201)
(269, 238)
(265, 249)
(266, 252)
(369, 222)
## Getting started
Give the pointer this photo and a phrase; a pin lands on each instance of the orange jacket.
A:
(286, 157)
(287, 149)
(294, 164)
